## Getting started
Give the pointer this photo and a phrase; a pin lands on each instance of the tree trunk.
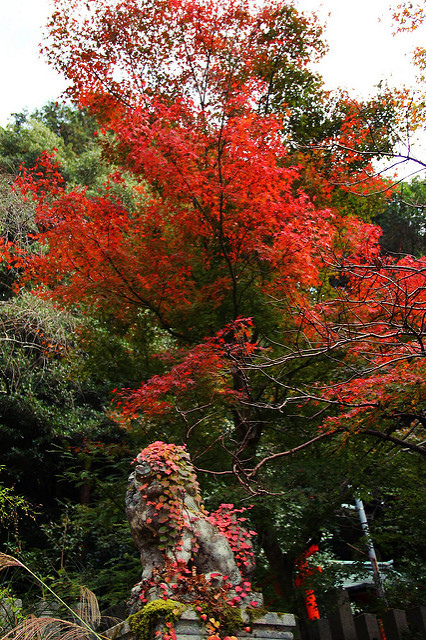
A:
(281, 565)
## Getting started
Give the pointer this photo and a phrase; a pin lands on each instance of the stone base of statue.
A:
(270, 626)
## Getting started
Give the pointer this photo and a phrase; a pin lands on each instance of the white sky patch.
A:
(26, 80)
(362, 48)
(363, 51)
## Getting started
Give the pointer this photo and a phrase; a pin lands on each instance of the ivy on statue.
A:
(185, 551)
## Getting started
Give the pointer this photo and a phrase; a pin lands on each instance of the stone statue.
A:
(169, 525)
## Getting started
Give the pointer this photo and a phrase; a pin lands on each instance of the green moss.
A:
(143, 622)
(232, 620)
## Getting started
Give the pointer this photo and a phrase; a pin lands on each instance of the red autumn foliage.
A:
(219, 227)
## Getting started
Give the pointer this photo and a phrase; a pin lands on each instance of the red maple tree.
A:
(218, 242)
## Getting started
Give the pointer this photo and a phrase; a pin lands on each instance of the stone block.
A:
(367, 627)
(319, 630)
(273, 625)
(120, 631)
(417, 620)
(189, 626)
(341, 620)
(395, 624)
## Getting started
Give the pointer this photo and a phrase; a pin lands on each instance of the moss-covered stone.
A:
(143, 622)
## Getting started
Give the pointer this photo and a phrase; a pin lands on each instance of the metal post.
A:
(371, 552)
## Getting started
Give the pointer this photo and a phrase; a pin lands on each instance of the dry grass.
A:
(47, 628)
(9, 561)
(88, 608)
(86, 615)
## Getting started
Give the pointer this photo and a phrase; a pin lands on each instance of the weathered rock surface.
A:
(200, 544)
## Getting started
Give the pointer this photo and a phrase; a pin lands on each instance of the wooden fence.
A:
(395, 624)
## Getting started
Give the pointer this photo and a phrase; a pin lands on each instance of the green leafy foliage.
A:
(403, 220)
(56, 127)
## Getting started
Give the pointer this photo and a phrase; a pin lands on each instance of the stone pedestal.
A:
(279, 626)
(271, 626)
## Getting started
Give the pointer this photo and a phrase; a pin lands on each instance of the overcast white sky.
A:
(362, 50)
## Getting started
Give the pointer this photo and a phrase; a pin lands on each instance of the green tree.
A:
(403, 220)
(60, 127)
